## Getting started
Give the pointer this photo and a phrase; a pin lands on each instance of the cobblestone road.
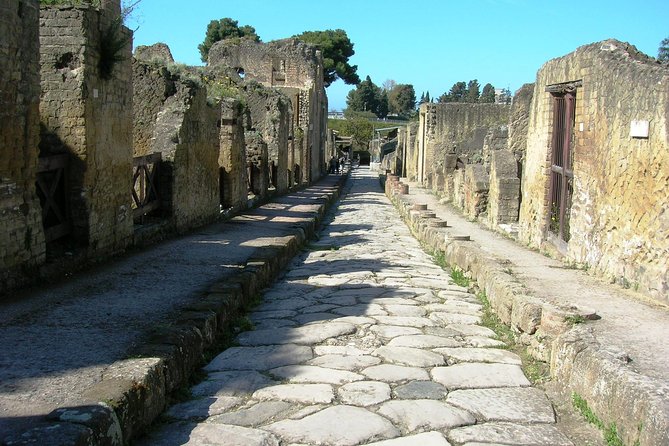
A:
(364, 341)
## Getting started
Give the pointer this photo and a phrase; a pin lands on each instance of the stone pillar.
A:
(504, 197)
(22, 236)
(256, 161)
(232, 156)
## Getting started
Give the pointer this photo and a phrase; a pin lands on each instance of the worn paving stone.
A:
(409, 356)
(405, 321)
(344, 362)
(455, 306)
(395, 373)
(361, 310)
(231, 383)
(202, 408)
(425, 414)
(210, 434)
(406, 310)
(344, 350)
(306, 335)
(469, 354)
(313, 374)
(393, 331)
(298, 393)
(525, 405)
(260, 358)
(510, 434)
(416, 390)
(482, 341)
(443, 318)
(423, 341)
(257, 414)
(364, 393)
(424, 439)
(479, 375)
(338, 426)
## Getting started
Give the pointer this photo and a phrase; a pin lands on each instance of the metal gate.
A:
(562, 174)
(51, 188)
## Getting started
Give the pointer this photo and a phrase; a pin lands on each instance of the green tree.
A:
(223, 29)
(360, 128)
(336, 48)
(382, 107)
(402, 99)
(473, 91)
(456, 94)
(663, 50)
(367, 96)
(488, 94)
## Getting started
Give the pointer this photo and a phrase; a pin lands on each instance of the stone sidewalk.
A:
(128, 332)
(364, 340)
(618, 362)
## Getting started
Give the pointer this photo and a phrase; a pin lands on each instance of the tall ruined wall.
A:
(22, 237)
(519, 120)
(86, 111)
(187, 136)
(271, 114)
(617, 224)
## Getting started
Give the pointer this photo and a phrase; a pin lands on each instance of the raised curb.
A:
(133, 392)
(638, 405)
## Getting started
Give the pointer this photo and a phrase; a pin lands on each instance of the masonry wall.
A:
(618, 224)
(233, 181)
(86, 112)
(22, 238)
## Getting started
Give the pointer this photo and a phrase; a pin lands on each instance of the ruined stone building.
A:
(100, 151)
(578, 165)
(296, 70)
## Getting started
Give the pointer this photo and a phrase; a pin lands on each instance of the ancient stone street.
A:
(364, 340)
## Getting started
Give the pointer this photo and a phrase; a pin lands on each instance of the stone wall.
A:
(256, 162)
(86, 112)
(617, 225)
(22, 238)
(503, 197)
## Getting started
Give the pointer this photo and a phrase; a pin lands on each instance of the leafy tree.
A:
(367, 96)
(382, 108)
(389, 84)
(336, 49)
(360, 128)
(488, 94)
(457, 93)
(402, 99)
(427, 97)
(473, 91)
(223, 29)
(446, 97)
(663, 51)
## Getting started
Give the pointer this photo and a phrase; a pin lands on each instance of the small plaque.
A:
(639, 129)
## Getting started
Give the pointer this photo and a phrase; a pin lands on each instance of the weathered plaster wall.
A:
(22, 237)
(89, 116)
(619, 224)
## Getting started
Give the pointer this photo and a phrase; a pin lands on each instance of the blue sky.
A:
(428, 43)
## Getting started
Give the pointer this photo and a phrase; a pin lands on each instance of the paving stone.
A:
(456, 306)
(424, 439)
(233, 383)
(313, 374)
(277, 314)
(190, 434)
(263, 324)
(423, 341)
(470, 354)
(306, 335)
(406, 310)
(395, 301)
(425, 414)
(395, 373)
(444, 332)
(203, 407)
(314, 318)
(483, 341)
(409, 356)
(260, 358)
(345, 362)
(345, 350)
(284, 304)
(298, 393)
(404, 321)
(339, 299)
(416, 390)
(329, 281)
(361, 310)
(364, 393)
(454, 318)
(338, 426)
(357, 320)
(525, 405)
(319, 308)
(508, 433)
(393, 331)
(255, 415)
(479, 375)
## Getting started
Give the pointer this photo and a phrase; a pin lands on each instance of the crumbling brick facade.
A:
(22, 237)
(616, 224)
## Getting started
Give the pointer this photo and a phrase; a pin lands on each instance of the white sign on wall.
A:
(639, 129)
